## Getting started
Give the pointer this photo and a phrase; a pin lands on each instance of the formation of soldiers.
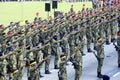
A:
(32, 44)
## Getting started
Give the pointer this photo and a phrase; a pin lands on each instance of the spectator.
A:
(71, 9)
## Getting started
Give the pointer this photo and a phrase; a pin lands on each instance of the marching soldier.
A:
(118, 47)
(39, 59)
(62, 73)
(3, 68)
(107, 31)
(81, 36)
(32, 75)
(77, 63)
(20, 62)
(89, 38)
(113, 28)
(12, 63)
(100, 55)
(56, 51)
(47, 53)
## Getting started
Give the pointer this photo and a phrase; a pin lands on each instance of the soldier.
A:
(3, 68)
(100, 55)
(12, 63)
(71, 41)
(118, 22)
(47, 53)
(77, 62)
(62, 73)
(118, 47)
(89, 38)
(107, 31)
(31, 73)
(113, 28)
(20, 62)
(81, 36)
(39, 59)
(55, 48)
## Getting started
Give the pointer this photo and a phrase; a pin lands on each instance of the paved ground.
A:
(89, 67)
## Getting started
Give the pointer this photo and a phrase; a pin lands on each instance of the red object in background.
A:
(118, 33)
(104, 1)
(9, 32)
(118, 1)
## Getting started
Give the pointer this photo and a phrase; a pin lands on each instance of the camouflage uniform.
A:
(32, 73)
(62, 73)
(89, 38)
(107, 32)
(113, 29)
(47, 53)
(118, 45)
(3, 69)
(20, 64)
(39, 59)
(12, 64)
(100, 55)
(55, 49)
(78, 63)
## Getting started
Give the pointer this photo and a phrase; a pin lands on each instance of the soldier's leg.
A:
(78, 73)
(21, 74)
(56, 59)
(39, 73)
(118, 58)
(100, 64)
(107, 37)
(112, 32)
(88, 45)
(47, 62)
(71, 50)
(2, 78)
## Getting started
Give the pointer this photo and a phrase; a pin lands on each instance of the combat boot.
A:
(89, 50)
(107, 43)
(94, 48)
(41, 76)
(47, 72)
(99, 75)
(82, 53)
(118, 65)
(56, 67)
(112, 40)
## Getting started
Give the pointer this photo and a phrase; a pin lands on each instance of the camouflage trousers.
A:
(78, 73)
(56, 53)
(2, 78)
(100, 64)
(72, 50)
(47, 62)
(118, 57)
